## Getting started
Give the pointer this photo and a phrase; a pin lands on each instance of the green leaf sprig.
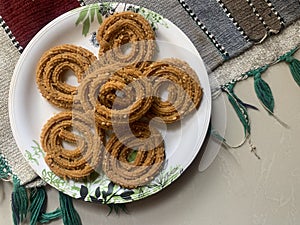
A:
(87, 16)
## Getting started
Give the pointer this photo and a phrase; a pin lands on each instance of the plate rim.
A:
(54, 22)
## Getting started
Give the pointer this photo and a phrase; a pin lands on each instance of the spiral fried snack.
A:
(116, 96)
(53, 65)
(182, 84)
(77, 129)
(126, 30)
(134, 159)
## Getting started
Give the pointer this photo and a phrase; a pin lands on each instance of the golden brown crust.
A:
(99, 93)
(149, 154)
(126, 30)
(53, 64)
(182, 85)
(88, 141)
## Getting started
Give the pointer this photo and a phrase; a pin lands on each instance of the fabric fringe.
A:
(48, 217)
(32, 203)
(263, 92)
(241, 109)
(295, 70)
(69, 214)
(36, 205)
(19, 197)
(19, 202)
(294, 64)
(5, 170)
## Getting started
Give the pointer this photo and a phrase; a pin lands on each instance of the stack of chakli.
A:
(106, 118)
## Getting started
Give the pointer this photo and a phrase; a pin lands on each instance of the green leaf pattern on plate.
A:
(35, 154)
(165, 177)
(107, 192)
(87, 15)
(97, 187)
(52, 179)
(65, 186)
(153, 18)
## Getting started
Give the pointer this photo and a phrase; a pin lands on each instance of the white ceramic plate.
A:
(218, 123)
(29, 110)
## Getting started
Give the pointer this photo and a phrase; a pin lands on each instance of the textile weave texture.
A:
(232, 37)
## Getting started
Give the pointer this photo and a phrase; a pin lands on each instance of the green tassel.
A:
(239, 107)
(38, 203)
(48, 217)
(263, 92)
(69, 214)
(241, 111)
(294, 65)
(19, 202)
(5, 170)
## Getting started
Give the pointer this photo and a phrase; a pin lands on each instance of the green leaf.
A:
(93, 177)
(110, 189)
(75, 188)
(264, 93)
(126, 195)
(82, 16)
(93, 10)
(28, 155)
(97, 192)
(131, 157)
(44, 173)
(38, 151)
(86, 26)
(51, 176)
(99, 17)
(57, 182)
(83, 191)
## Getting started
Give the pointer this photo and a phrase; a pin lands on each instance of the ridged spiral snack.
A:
(79, 130)
(133, 158)
(126, 37)
(51, 67)
(184, 92)
(115, 95)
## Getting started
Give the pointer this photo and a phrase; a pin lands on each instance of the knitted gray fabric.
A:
(288, 9)
(217, 22)
(9, 56)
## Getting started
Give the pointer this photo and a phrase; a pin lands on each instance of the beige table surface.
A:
(237, 189)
